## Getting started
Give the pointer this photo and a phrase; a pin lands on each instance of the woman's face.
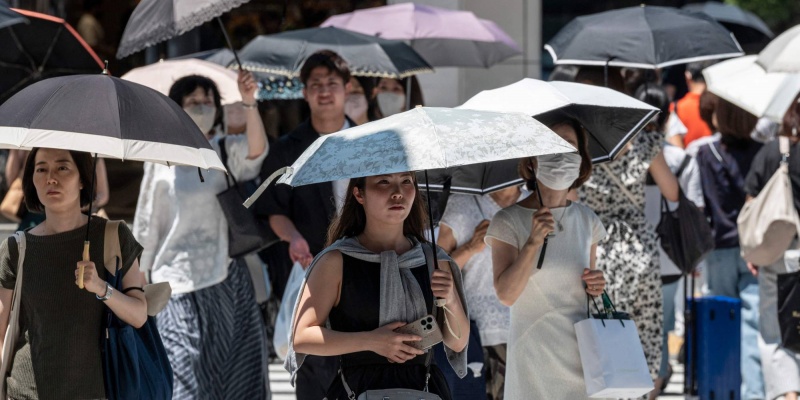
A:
(57, 180)
(389, 85)
(387, 198)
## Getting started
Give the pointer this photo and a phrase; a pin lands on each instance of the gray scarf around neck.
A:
(401, 296)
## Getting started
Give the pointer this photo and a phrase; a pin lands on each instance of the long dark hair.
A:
(352, 220)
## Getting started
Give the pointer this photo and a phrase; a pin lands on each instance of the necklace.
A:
(561, 218)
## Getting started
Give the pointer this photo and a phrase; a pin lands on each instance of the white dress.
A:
(543, 360)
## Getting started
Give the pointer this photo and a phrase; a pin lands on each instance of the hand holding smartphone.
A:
(426, 328)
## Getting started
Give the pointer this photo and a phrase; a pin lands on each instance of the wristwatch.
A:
(109, 291)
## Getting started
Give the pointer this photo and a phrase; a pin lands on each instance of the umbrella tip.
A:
(105, 69)
(642, 5)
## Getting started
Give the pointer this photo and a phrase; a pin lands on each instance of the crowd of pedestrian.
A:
(507, 324)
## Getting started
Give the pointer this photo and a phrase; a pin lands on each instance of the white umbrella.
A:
(743, 82)
(782, 54)
(161, 75)
(610, 118)
(422, 138)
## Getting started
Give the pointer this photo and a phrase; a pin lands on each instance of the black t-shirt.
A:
(766, 163)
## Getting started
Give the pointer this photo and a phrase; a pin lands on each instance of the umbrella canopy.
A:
(284, 53)
(107, 116)
(444, 38)
(154, 21)
(422, 138)
(743, 82)
(45, 47)
(642, 37)
(161, 75)
(746, 26)
(610, 118)
(8, 16)
(783, 53)
(476, 179)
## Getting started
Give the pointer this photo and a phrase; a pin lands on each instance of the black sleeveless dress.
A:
(357, 311)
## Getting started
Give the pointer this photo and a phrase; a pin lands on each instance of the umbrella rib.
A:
(22, 49)
(17, 66)
(50, 49)
(435, 134)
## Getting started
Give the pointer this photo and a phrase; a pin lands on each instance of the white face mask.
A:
(355, 105)
(558, 171)
(391, 103)
(202, 115)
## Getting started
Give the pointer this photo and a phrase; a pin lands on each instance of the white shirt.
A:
(180, 223)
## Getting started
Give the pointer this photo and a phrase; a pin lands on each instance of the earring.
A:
(794, 131)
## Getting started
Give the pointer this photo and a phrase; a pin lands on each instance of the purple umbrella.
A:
(444, 38)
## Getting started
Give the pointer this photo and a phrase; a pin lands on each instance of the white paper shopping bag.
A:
(613, 360)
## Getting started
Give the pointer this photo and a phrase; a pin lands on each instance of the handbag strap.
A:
(619, 183)
(13, 319)
(223, 156)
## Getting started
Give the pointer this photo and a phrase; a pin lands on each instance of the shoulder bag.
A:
(401, 394)
(12, 331)
(768, 223)
(135, 363)
(246, 233)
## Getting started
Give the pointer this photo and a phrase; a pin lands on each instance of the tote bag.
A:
(685, 233)
(613, 361)
(768, 223)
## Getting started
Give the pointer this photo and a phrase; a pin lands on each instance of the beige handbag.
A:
(768, 223)
(12, 332)
(12, 202)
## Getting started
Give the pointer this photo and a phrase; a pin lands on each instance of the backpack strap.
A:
(685, 163)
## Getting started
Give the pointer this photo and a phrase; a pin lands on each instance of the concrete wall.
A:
(520, 19)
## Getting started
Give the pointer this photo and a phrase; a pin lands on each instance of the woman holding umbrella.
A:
(212, 328)
(373, 279)
(57, 354)
(546, 303)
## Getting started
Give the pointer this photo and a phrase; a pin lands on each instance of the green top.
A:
(58, 355)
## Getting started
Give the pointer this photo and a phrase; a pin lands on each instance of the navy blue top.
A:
(723, 167)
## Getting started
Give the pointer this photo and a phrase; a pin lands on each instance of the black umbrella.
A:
(8, 16)
(476, 179)
(646, 37)
(154, 21)
(746, 26)
(45, 47)
(106, 116)
(284, 53)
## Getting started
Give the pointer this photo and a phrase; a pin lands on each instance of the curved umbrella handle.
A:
(85, 258)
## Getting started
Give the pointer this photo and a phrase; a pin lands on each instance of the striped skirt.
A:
(216, 341)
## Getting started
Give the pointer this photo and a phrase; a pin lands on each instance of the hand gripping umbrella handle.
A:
(85, 258)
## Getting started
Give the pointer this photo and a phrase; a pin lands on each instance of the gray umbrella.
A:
(746, 26)
(154, 21)
(284, 53)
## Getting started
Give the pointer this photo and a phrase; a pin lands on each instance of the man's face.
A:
(325, 92)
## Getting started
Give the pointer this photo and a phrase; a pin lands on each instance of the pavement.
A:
(283, 390)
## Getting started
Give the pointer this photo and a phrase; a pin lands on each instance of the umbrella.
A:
(45, 47)
(284, 53)
(154, 21)
(783, 53)
(642, 37)
(8, 16)
(476, 179)
(422, 138)
(610, 118)
(161, 75)
(444, 38)
(746, 26)
(106, 116)
(744, 82)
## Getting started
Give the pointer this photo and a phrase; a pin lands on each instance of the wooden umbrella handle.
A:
(85, 258)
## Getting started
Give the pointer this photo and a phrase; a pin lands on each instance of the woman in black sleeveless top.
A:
(382, 223)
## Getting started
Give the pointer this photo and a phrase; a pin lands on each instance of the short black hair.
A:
(188, 84)
(695, 70)
(83, 161)
(656, 96)
(328, 59)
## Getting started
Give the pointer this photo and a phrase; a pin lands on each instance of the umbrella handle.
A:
(85, 258)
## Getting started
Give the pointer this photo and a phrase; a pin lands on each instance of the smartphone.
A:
(426, 328)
